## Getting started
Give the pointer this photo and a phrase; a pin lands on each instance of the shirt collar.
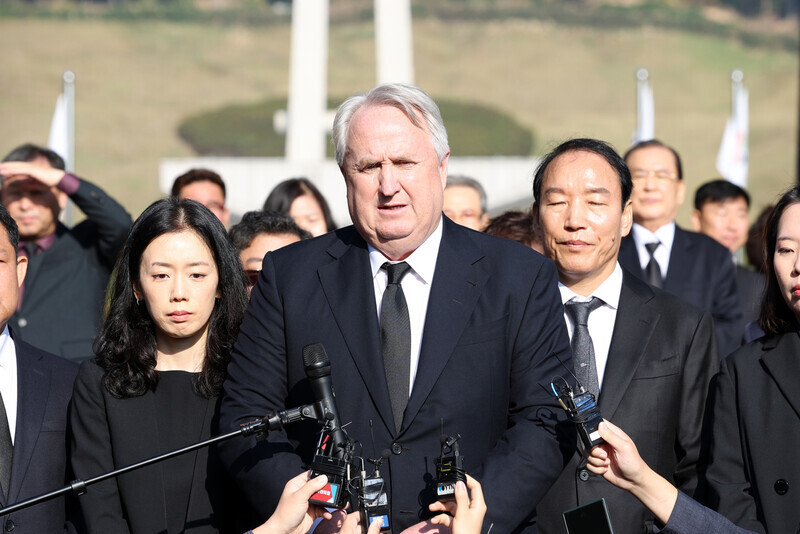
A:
(5, 337)
(665, 235)
(44, 242)
(422, 260)
(608, 291)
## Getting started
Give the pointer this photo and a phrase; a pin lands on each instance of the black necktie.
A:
(31, 248)
(396, 339)
(6, 449)
(582, 347)
(653, 270)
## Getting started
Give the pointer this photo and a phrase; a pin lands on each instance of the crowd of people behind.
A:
(125, 339)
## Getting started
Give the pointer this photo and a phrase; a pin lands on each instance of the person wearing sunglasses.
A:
(260, 232)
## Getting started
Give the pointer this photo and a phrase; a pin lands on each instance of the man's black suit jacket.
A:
(662, 357)
(701, 273)
(39, 461)
(493, 335)
(65, 285)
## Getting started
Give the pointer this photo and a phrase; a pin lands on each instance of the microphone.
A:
(333, 455)
(318, 370)
(581, 407)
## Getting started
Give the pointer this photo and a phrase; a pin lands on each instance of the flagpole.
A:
(68, 77)
(737, 79)
(642, 76)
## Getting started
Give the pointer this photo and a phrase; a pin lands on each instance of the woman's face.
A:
(178, 283)
(787, 257)
(308, 215)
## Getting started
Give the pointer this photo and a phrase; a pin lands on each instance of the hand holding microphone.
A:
(293, 514)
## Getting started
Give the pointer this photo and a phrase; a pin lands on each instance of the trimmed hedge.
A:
(246, 130)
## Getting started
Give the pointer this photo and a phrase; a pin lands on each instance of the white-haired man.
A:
(426, 324)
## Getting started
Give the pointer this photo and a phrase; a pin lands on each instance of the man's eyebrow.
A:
(598, 190)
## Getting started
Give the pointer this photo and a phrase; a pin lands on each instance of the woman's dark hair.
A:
(126, 346)
(776, 316)
(281, 197)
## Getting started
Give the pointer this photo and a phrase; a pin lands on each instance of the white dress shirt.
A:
(601, 321)
(665, 235)
(8, 379)
(416, 286)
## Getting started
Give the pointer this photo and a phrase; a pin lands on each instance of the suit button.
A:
(397, 448)
(23, 322)
(10, 525)
(781, 486)
(583, 474)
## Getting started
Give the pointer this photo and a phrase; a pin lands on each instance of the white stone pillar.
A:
(394, 52)
(308, 82)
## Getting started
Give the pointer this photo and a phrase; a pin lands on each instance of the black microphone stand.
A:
(261, 426)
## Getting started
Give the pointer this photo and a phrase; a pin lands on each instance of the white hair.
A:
(411, 100)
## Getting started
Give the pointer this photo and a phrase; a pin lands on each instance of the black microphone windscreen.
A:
(385, 454)
(315, 361)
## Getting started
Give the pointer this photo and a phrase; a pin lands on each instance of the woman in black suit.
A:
(753, 473)
(174, 308)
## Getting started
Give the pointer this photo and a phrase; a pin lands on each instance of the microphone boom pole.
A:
(78, 487)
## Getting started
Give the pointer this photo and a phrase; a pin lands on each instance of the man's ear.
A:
(443, 169)
(627, 218)
(696, 220)
(484, 221)
(22, 269)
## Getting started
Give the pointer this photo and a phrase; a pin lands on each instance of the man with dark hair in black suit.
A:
(692, 266)
(35, 389)
(61, 303)
(647, 355)
(721, 212)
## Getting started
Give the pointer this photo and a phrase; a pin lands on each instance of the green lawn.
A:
(137, 81)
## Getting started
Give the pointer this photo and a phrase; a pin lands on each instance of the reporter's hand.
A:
(352, 524)
(467, 513)
(294, 515)
(619, 463)
(334, 523)
(43, 173)
(617, 460)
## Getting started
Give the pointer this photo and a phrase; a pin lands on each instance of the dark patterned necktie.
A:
(396, 339)
(582, 346)
(653, 270)
(31, 248)
(6, 450)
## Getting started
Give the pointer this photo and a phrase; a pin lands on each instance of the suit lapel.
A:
(633, 329)
(457, 284)
(629, 257)
(33, 384)
(680, 258)
(31, 298)
(782, 360)
(347, 283)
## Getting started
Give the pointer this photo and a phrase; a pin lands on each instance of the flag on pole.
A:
(645, 108)
(58, 141)
(732, 158)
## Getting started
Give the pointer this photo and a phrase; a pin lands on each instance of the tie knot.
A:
(651, 247)
(579, 311)
(396, 271)
(31, 248)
